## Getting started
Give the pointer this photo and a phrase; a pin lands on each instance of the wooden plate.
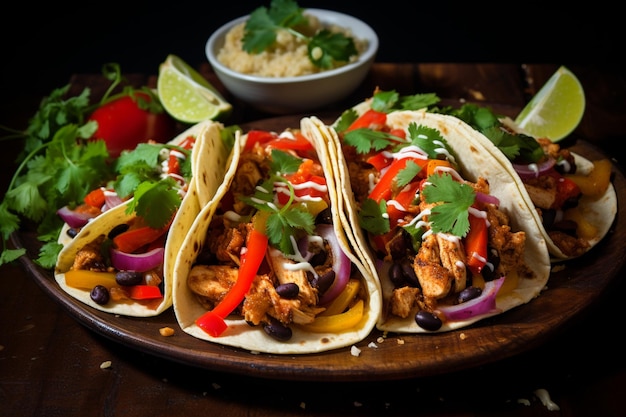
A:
(570, 291)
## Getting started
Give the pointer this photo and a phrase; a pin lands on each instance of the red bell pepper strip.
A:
(95, 198)
(384, 187)
(258, 136)
(133, 239)
(405, 198)
(371, 119)
(565, 189)
(212, 322)
(173, 164)
(379, 160)
(476, 244)
(144, 292)
(299, 144)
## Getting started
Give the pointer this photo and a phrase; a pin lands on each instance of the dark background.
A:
(44, 44)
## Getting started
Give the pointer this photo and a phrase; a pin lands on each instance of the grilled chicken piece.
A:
(435, 279)
(452, 256)
(509, 245)
(211, 282)
(403, 300)
(278, 263)
(262, 300)
(90, 256)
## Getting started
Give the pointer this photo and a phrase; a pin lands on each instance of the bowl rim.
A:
(324, 15)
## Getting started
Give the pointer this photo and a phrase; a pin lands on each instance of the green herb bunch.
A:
(59, 165)
(325, 48)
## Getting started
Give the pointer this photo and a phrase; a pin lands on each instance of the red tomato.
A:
(122, 124)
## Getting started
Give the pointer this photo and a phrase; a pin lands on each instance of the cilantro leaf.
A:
(453, 200)
(406, 175)
(284, 162)
(429, 140)
(365, 140)
(389, 101)
(372, 217)
(346, 119)
(326, 47)
(156, 202)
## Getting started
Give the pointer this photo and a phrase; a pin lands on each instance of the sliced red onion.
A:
(487, 199)
(481, 305)
(137, 262)
(74, 218)
(341, 263)
(111, 199)
(534, 170)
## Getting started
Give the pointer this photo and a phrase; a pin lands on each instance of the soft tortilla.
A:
(208, 143)
(239, 333)
(473, 162)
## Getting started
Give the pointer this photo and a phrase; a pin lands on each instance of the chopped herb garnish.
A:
(453, 200)
(325, 48)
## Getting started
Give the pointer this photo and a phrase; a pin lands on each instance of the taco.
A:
(451, 237)
(119, 260)
(268, 265)
(572, 198)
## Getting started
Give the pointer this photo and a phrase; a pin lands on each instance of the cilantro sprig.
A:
(325, 48)
(287, 221)
(453, 200)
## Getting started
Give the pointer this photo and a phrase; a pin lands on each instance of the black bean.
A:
(289, 290)
(100, 294)
(401, 273)
(319, 258)
(396, 276)
(277, 330)
(324, 281)
(469, 294)
(128, 277)
(120, 228)
(72, 232)
(324, 217)
(409, 273)
(427, 320)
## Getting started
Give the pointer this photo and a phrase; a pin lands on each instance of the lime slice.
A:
(557, 108)
(188, 96)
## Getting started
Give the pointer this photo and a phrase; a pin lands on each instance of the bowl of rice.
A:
(282, 78)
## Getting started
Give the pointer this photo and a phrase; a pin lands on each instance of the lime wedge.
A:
(186, 95)
(557, 108)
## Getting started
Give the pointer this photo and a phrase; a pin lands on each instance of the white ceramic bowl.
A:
(282, 95)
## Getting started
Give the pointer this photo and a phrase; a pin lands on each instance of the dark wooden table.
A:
(50, 364)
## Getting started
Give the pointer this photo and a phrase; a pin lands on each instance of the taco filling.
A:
(277, 215)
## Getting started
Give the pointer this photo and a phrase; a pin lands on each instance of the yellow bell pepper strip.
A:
(212, 322)
(595, 184)
(342, 301)
(476, 244)
(86, 280)
(144, 292)
(339, 322)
